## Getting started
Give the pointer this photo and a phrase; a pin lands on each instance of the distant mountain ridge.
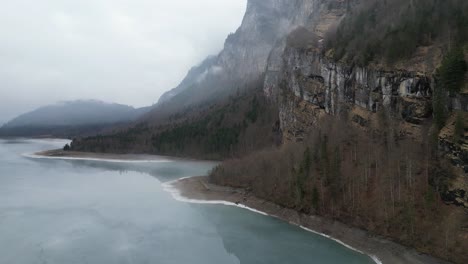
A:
(70, 116)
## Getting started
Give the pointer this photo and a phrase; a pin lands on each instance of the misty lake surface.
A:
(63, 211)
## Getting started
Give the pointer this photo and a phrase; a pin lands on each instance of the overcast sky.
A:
(124, 51)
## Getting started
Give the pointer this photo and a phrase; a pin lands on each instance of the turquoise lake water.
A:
(65, 212)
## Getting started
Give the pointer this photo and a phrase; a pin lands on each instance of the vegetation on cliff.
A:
(450, 78)
(452, 71)
(391, 30)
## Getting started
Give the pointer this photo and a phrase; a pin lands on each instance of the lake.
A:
(64, 211)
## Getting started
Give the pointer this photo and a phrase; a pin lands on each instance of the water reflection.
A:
(164, 171)
(254, 238)
(62, 211)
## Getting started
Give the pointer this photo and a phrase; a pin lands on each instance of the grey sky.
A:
(125, 51)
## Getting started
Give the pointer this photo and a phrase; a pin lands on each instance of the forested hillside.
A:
(232, 127)
(392, 30)
(378, 181)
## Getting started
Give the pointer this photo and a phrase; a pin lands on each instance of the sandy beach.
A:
(198, 190)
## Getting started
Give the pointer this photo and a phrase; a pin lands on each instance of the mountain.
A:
(354, 110)
(70, 118)
(241, 62)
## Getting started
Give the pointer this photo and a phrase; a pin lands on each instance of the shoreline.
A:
(380, 250)
(59, 154)
(199, 191)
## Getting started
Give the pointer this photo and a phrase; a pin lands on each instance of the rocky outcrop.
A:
(336, 88)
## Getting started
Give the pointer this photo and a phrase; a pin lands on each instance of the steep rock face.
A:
(315, 17)
(245, 53)
(336, 88)
(333, 87)
(322, 84)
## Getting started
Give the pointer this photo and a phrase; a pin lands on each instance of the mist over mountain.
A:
(242, 61)
(70, 116)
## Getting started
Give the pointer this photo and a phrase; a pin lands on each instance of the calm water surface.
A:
(57, 211)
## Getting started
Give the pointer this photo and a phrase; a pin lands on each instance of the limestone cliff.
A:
(307, 84)
(337, 88)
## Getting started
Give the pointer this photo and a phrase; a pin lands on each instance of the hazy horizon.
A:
(126, 52)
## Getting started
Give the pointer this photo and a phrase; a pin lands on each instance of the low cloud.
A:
(214, 70)
(126, 51)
